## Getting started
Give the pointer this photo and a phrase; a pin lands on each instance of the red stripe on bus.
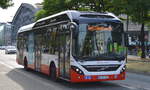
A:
(75, 77)
(31, 66)
(57, 72)
(45, 69)
(17, 61)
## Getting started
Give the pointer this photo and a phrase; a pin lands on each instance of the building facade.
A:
(1, 34)
(133, 37)
(5, 34)
(24, 16)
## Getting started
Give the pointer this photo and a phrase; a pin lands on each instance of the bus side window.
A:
(45, 50)
(48, 40)
(43, 42)
(51, 40)
(18, 43)
(25, 43)
(27, 48)
(68, 44)
(57, 43)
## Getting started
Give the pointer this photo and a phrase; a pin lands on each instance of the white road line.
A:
(11, 67)
(29, 76)
(127, 86)
(3, 72)
(132, 88)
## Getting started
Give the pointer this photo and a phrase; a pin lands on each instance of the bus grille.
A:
(97, 68)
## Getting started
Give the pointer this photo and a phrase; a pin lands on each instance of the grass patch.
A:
(139, 66)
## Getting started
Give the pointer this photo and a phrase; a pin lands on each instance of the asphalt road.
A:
(14, 77)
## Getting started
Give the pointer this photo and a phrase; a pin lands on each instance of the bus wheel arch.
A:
(25, 63)
(52, 71)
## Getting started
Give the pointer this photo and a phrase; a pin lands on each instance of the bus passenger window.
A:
(45, 50)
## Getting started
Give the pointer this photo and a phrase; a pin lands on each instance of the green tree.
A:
(91, 5)
(55, 6)
(40, 14)
(138, 11)
(51, 7)
(5, 3)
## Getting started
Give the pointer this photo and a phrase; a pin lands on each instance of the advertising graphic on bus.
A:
(74, 46)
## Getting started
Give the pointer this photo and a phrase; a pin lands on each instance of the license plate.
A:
(102, 77)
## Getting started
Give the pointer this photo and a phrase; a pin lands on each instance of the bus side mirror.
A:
(74, 28)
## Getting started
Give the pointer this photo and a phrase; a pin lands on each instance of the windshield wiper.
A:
(119, 57)
(101, 57)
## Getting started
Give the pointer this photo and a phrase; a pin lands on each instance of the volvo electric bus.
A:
(74, 46)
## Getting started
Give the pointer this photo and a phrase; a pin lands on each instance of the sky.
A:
(6, 15)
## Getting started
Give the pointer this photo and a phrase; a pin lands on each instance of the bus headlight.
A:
(76, 69)
(123, 69)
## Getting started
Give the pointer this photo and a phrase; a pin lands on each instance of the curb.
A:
(139, 60)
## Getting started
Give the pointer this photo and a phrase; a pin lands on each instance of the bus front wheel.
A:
(26, 64)
(53, 72)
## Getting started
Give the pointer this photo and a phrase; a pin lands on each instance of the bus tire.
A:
(26, 64)
(53, 72)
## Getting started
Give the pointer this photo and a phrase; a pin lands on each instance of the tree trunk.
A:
(127, 23)
(101, 3)
(142, 41)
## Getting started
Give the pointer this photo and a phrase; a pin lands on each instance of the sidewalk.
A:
(138, 64)
(137, 58)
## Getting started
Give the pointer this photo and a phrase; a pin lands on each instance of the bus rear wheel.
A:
(26, 64)
(53, 72)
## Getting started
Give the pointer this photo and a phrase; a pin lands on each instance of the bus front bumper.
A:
(75, 77)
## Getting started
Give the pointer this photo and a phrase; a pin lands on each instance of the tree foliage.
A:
(55, 6)
(40, 14)
(134, 8)
(5, 3)
(137, 10)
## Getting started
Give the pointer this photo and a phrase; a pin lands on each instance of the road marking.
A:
(132, 88)
(3, 72)
(127, 86)
(9, 66)
(29, 76)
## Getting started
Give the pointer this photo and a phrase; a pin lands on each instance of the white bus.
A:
(74, 46)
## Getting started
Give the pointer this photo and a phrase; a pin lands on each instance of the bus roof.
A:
(26, 28)
(72, 14)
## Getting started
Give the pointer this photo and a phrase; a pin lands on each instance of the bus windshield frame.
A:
(107, 44)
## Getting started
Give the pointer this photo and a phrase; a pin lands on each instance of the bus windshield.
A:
(99, 41)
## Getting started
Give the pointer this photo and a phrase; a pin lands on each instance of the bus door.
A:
(38, 47)
(64, 54)
(31, 50)
(20, 46)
